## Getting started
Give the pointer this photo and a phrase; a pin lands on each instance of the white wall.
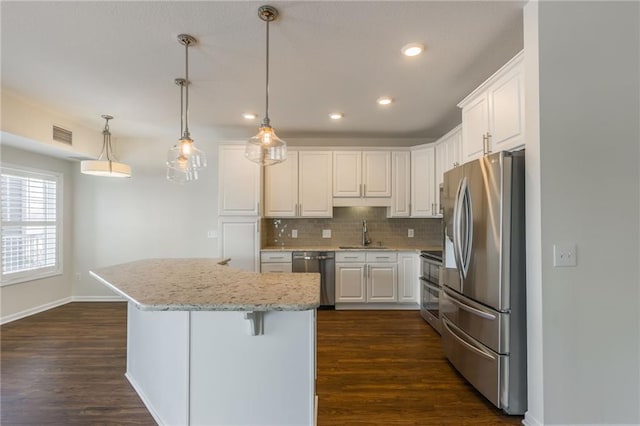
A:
(28, 297)
(145, 216)
(589, 183)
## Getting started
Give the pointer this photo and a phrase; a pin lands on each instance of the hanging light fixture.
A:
(106, 164)
(184, 159)
(266, 147)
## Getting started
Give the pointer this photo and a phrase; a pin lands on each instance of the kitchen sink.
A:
(362, 247)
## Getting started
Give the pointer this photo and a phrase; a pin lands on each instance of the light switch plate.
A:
(294, 233)
(565, 255)
(212, 234)
(326, 233)
(410, 233)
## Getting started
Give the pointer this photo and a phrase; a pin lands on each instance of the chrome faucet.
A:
(365, 234)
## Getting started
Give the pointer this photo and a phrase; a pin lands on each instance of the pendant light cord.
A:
(186, 68)
(106, 142)
(266, 122)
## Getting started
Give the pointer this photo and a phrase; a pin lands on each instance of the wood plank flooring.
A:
(66, 367)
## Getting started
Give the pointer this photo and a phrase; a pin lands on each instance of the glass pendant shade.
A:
(181, 176)
(107, 164)
(184, 155)
(266, 147)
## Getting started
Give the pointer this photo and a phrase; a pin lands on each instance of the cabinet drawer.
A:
(350, 256)
(275, 267)
(381, 256)
(275, 256)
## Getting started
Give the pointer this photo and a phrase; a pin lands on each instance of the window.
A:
(31, 224)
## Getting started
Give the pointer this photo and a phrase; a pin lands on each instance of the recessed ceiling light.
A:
(336, 115)
(385, 100)
(249, 116)
(413, 49)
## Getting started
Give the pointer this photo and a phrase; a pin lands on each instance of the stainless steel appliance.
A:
(482, 303)
(431, 263)
(324, 263)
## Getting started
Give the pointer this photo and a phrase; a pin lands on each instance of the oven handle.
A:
(431, 286)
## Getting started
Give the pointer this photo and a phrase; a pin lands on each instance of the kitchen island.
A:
(211, 345)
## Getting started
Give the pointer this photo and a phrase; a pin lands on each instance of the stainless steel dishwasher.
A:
(323, 262)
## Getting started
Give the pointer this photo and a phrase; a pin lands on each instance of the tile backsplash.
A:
(346, 230)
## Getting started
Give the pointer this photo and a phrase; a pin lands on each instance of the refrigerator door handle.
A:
(468, 308)
(467, 211)
(469, 345)
(456, 229)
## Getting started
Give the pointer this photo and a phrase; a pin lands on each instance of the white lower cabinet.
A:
(408, 277)
(366, 277)
(276, 261)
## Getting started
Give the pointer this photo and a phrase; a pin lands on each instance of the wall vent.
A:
(62, 135)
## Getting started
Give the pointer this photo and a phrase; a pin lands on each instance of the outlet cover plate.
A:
(326, 233)
(294, 233)
(410, 233)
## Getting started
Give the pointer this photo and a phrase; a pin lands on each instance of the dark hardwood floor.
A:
(66, 367)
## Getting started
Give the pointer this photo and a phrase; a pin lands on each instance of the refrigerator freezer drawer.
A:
(483, 324)
(482, 367)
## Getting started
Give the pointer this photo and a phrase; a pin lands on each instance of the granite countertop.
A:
(334, 248)
(207, 285)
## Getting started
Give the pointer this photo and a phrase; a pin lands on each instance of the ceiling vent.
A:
(62, 135)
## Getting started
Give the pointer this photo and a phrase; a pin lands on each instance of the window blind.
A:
(29, 223)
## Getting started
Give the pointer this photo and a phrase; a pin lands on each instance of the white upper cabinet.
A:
(300, 186)
(361, 174)
(314, 182)
(423, 195)
(347, 174)
(493, 114)
(238, 184)
(400, 184)
(281, 188)
(376, 173)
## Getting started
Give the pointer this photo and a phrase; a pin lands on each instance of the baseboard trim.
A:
(145, 400)
(377, 306)
(35, 310)
(529, 420)
(114, 298)
(45, 307)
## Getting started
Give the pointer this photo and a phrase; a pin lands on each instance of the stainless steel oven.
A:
(430, 287)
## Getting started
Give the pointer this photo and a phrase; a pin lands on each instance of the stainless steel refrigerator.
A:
(482, 304)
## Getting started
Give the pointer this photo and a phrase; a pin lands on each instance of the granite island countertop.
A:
(206, 285)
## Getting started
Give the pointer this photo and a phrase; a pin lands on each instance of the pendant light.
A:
(266, 147)
(106, 164)
(184, 159)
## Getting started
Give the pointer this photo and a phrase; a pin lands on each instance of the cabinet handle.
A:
(364, 189)
(484, 144)
(360, 190)
(488, 143)
(300, 213)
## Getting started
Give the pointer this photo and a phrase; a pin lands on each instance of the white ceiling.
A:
(121, 58)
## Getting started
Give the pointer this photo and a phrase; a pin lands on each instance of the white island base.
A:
(205, 367)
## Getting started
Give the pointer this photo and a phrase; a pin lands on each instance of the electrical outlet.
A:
(294, 233)
(410, 233)
(565, 255)
(212, 234)
(326, 233)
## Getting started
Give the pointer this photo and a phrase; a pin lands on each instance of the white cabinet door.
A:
(281, 188)
(400, 184)
(506, 101)
(382, 282)
(315, 177)
(422, 182)
(442, 155)
(275, 267)
(475, 125)
(350, 283)
(347, 174)
(408, 281)
(454, 148)
(376, 173)
(238, 184)
(239, 239)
